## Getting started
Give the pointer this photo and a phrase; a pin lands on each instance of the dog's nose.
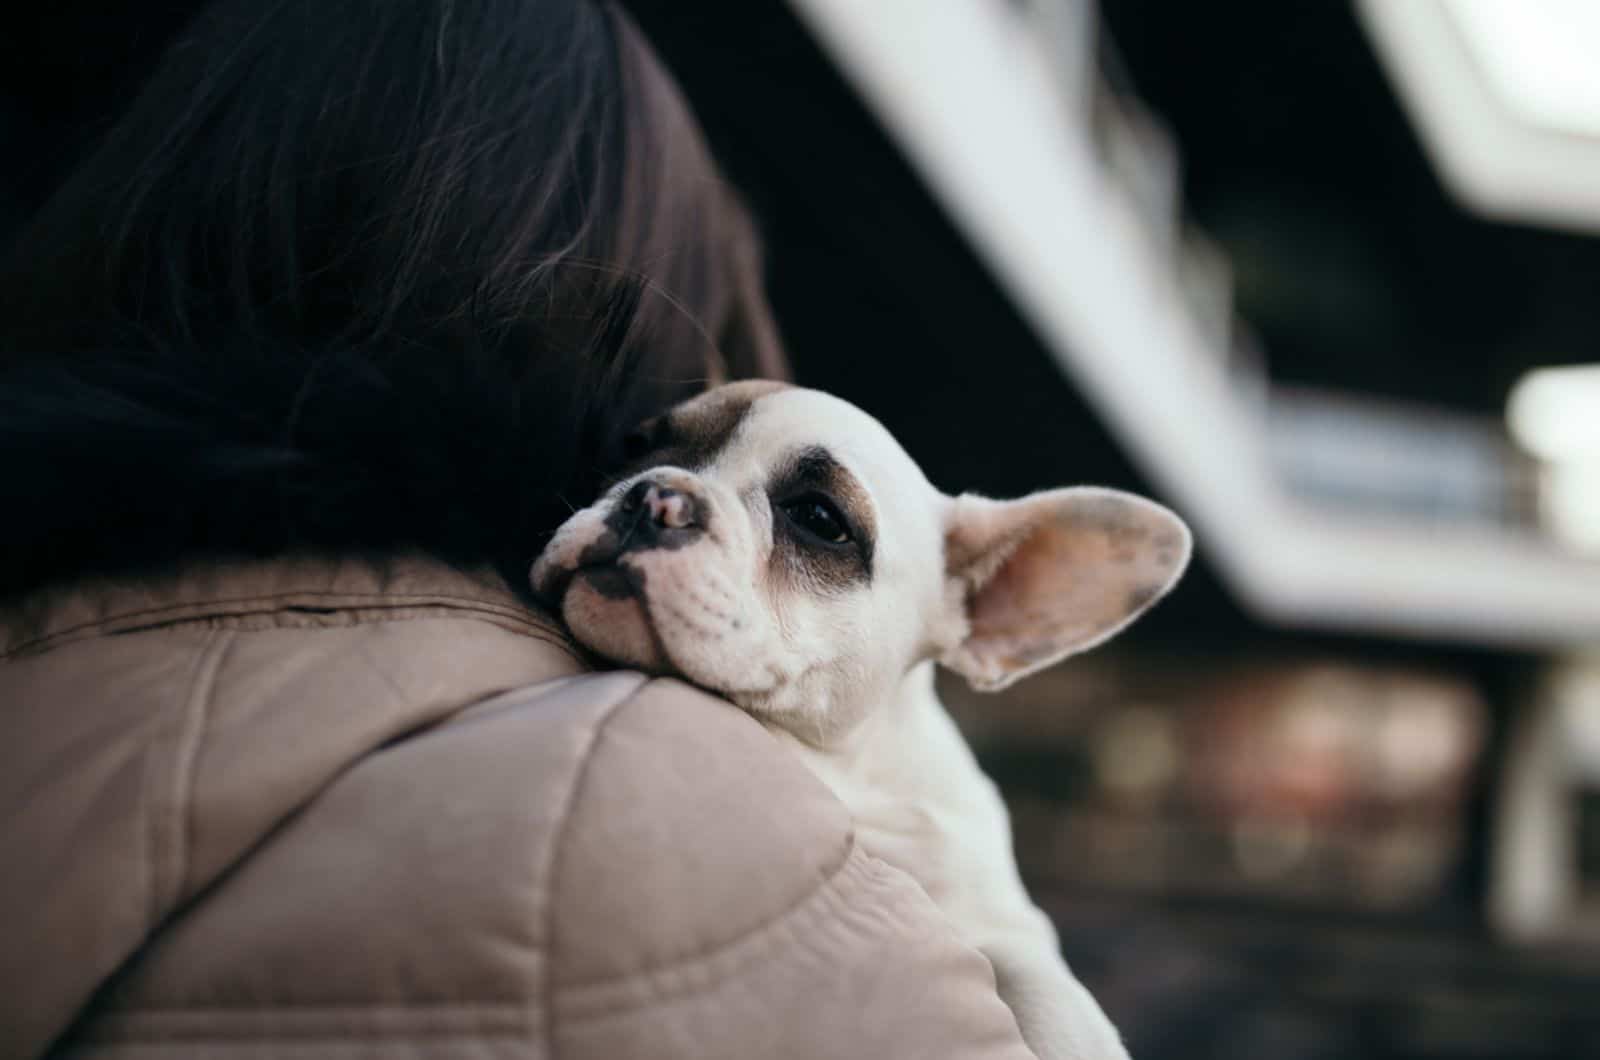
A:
(668, 508)
(652, 514)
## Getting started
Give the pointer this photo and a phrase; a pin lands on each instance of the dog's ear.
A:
(1052, 574)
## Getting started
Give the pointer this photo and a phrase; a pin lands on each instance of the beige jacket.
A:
(339, 810)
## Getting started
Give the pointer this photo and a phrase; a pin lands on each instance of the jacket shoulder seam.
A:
(552, 868)
(826, 912)
(169, 777)
(817, 903)
(167, 616)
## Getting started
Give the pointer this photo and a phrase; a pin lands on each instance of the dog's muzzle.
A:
(655, 515)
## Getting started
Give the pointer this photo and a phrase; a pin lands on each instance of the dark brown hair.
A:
(364, 275)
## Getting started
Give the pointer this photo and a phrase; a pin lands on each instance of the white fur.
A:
(994, 589)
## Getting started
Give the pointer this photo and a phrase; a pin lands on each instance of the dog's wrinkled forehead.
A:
(820, 462)
(693, 434)
(759, 424)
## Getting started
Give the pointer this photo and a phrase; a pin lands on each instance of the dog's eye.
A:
(817, 516)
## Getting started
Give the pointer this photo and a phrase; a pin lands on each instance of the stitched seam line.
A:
(806, 906)
(824, 893)
(834, 876)
(555, 861)
(271, 602)
(157, 889)
(827, 906)
(508, 1005)
(189, 757)
(824, 911)
(312, 1022)
(520, 629)
(293, 1039)
(298, 1043)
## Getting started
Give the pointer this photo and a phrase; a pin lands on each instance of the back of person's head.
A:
(364, 275)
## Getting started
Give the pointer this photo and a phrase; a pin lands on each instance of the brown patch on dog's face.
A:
(824, 530)
(691, 435)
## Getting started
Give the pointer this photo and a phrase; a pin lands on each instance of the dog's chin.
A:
(608, 616)
(682, 631)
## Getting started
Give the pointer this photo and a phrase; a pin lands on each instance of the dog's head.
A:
(777, 545)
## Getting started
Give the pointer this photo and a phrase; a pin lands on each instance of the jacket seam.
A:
(825, 903)
(189, 760)
(231, 607)
(507, 1004)
(757, 934)
(163, 792)
(556, 858)
(158, 1023)
(829, 880)
(312, 1046)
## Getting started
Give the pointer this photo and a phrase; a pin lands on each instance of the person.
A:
(297, 371)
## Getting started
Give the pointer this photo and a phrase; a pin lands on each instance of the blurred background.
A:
(1323, 277)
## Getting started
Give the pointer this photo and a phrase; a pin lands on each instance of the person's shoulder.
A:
(690, 827)
(709, 899)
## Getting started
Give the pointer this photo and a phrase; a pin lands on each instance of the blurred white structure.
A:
(1538, 886)
(1424, 463)
(1506, 96)
(972, 90)
(1554, 414)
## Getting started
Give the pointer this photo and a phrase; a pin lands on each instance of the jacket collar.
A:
(285, 587)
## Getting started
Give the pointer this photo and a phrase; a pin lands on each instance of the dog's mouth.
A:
(606, 601)
(604, 577)
(599, 565)
(614, 581)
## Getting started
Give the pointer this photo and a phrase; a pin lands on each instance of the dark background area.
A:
(1351, 262)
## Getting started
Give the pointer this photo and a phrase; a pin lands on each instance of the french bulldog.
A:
(778, 547)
